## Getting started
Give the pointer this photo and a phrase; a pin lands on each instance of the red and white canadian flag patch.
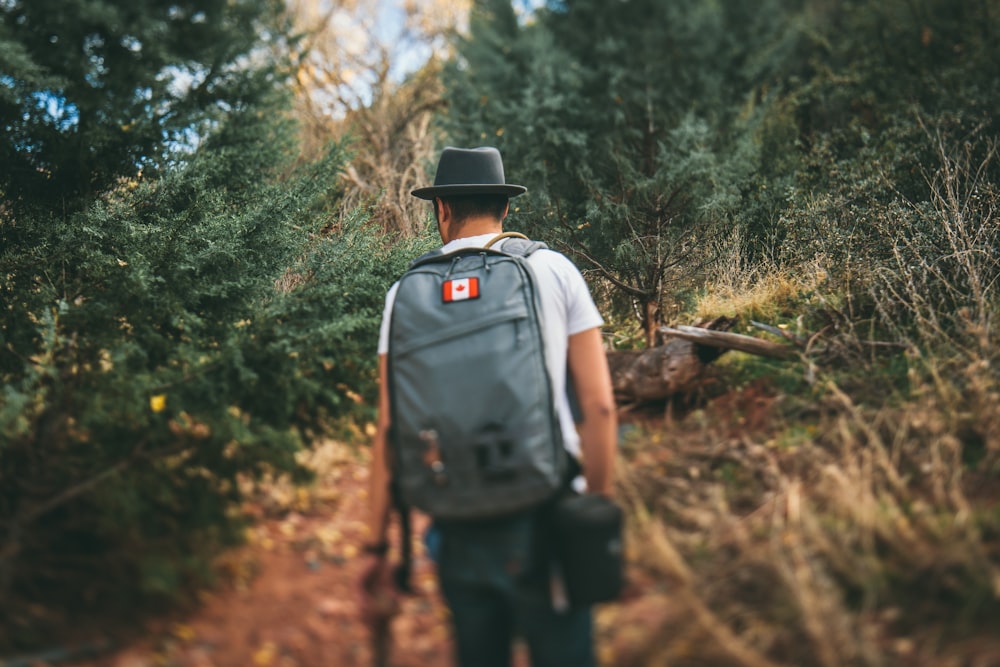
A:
(460, 289)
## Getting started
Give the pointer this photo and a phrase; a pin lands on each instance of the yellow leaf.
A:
(183, 632)
(158, 402)
(428, 583)
(328, 535)
(302, 500)
(265, 655)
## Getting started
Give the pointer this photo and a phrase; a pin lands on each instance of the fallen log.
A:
(656, 373)
(677, 367)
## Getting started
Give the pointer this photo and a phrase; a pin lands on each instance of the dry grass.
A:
(939, 289)
(873, 544)
(765, 294)
(859, 525)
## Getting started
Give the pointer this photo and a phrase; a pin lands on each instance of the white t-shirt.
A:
(566, 309)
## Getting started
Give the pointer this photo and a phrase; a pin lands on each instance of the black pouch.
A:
(586, 541)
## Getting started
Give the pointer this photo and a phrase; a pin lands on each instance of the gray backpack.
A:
(474, 430)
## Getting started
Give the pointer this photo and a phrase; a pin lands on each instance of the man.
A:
(494, 573)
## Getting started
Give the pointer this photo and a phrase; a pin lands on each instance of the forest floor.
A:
(288, 597)
(729, 485)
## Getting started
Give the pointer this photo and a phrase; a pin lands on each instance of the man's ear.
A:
(441, 209)
(506, 210)
(442, 213)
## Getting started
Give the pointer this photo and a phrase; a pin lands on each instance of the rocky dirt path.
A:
(287, 598)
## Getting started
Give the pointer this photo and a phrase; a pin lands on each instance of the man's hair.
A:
(464, 207)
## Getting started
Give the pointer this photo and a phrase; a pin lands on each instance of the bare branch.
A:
(798, 340)
(730, 341)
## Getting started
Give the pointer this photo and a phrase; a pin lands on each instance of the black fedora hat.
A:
(469, 171)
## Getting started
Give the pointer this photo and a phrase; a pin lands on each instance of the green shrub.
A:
(153, 352)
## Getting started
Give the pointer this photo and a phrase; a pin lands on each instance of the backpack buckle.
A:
(496, 454)
(432, 456)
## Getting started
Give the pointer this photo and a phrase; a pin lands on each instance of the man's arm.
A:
(378, 485)
(377, 600)
(588, 368)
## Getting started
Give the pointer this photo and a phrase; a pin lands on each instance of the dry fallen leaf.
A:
(183, 632)
(265, 655)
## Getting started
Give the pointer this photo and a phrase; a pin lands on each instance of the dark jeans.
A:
(494, 577)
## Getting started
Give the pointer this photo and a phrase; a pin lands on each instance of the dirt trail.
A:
(287, 598)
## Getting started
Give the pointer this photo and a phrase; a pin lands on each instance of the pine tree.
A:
(95, 90)
(180, 335)
(624, 119)
(857, 99)
(183, 331)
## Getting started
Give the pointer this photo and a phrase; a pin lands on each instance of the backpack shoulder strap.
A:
(521, 245)
(426, 257)
(505, 235)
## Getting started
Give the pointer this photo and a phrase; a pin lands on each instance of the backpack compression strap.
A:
(574, 403)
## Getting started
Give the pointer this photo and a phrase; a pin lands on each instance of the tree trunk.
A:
(650, 321)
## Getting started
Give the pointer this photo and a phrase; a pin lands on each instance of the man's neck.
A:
(473, 227)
